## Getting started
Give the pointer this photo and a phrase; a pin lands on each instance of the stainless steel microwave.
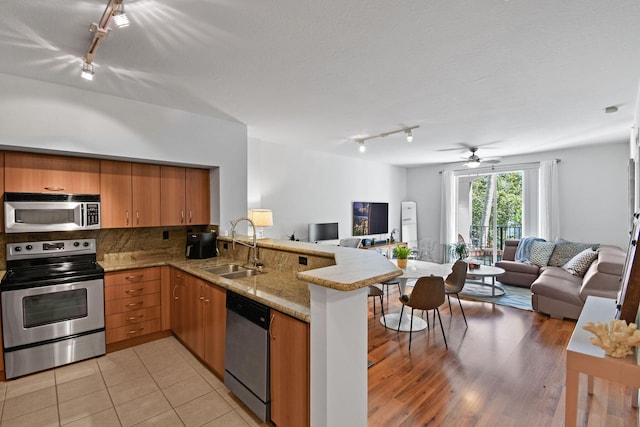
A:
(35, 212)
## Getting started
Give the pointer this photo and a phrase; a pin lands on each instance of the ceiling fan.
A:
(473, 161)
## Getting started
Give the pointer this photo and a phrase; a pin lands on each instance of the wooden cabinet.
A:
(215, 321)
(132, 303)
(198, 317)
(145, 185)
(42, 173)
(115, 194)
(129, 194)
(290, 381)
(184, 195)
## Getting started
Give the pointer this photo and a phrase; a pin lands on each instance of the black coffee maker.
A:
(201, 245)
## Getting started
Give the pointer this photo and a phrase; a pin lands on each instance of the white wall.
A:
(593, 193)
(36, 115)
(305, 187)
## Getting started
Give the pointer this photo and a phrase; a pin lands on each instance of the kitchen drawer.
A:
(132, 317)
(177, 277)
(131, 331)
(124, 305)
(131, 290)
(131, 276)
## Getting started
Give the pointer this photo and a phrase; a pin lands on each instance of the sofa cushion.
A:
(611, 260)
(540, 253)
(564, 251)
(579, 264)
(555, 283)
(518, 267)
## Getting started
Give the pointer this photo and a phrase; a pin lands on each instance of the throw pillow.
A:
(579, 264)
(540, 253)
(564, 251)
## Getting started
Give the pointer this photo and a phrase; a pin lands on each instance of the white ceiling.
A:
(532, 74)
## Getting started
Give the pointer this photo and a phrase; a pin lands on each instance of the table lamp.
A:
(261, 218)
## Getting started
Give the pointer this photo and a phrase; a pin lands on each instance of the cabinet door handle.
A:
(126, 217)
(190, 216)
(133, 291)
(138, 217)
(182, 217)
(206, 301)
(54, 188)
(135, 331)
(273, 317)
(201, 298)
(174, 292)
(133, 304)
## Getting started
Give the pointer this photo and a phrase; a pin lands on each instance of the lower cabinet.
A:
(290, 382)
(198, 317)
(132, 303)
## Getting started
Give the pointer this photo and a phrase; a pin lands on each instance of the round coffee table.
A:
(485, 289)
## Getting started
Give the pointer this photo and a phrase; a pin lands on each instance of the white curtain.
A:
(549, 201)
(447, 210)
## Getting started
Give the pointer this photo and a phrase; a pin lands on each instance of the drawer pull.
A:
(133, 304)
(136, 277)
(135, 331)
(136, 317)
(133, 291)
(54, 188)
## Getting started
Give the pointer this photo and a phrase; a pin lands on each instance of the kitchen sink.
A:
(241, 274)
(226, 269)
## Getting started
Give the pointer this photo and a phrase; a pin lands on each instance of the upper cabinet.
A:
(115, 194)
(184, 196)
(145, 184)
(129, 194)
(42, 173)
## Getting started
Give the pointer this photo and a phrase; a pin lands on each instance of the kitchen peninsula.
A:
(326, 284)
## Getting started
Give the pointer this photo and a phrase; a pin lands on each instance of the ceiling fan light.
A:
(472, 163)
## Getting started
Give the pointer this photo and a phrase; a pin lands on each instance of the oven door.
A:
(45, 313)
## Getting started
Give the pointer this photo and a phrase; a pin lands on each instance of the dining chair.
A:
(376, 292)
(428, 294)
(392, 282)
(454, 283)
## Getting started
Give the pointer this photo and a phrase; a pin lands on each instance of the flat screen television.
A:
(370, 218)
(325, 231)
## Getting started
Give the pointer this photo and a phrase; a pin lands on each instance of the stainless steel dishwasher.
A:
(246, 371)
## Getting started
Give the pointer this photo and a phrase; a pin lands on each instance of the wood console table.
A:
(386, 248)
(584, 357)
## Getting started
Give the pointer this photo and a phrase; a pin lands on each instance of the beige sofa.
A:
(557, 292)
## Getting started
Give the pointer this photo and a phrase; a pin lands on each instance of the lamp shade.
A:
(261, 217)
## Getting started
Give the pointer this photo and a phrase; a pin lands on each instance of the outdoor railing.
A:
(482, 237)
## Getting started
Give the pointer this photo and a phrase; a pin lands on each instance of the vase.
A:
(402, 263)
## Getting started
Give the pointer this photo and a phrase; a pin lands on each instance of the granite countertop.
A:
(285, 291)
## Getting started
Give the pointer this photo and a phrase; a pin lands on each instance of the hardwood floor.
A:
(506, 369)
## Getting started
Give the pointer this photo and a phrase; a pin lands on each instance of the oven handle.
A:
(133, 291)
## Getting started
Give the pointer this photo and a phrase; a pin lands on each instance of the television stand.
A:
(385, 248)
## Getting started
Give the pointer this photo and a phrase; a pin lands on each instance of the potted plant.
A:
(401, 253)
(459, 250)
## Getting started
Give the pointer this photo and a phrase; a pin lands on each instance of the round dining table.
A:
(414, 270)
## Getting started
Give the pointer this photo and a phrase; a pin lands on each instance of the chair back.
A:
(350, 242)
(428, 293)
(458, 276)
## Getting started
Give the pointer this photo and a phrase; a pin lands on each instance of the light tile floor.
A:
(155, 384)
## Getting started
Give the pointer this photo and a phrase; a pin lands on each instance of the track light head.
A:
(119, 17)
(87, 71)
(361, 147)
(409, 135)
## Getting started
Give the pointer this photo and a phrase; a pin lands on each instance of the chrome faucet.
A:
(254, 246)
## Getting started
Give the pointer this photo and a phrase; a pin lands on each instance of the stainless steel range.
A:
(52, 305)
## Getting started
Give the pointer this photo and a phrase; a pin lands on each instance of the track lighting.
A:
(87, 71)
(115, 11)
(119, 17)
(406, 130)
